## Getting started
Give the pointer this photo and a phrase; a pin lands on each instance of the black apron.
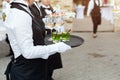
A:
(54, 61)
(96, 14)
(29, 69)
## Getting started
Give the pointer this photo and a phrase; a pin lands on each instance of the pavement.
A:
(96, 59)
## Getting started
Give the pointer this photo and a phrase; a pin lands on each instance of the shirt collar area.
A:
(22, 2)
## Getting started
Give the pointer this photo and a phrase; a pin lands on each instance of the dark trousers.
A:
(96, 19)
(95, 27)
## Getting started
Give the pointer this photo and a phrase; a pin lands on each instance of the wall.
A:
(63, 3)
(117, 16)
(0, 3)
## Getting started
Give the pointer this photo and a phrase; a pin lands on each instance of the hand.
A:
(62, 47)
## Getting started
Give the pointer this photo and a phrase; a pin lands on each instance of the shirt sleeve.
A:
(90, 7)
(21, 24)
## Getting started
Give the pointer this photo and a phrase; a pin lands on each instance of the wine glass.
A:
(59, 23)
(49, 23)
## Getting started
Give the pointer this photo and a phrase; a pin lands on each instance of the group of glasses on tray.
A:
(56, 22)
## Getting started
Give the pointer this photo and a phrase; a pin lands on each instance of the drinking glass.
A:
(65, 36)
(49, 24)
(56, 37)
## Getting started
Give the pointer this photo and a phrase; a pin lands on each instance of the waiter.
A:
(46, 9)
(40, 10)
(26, 37)
(94, 11)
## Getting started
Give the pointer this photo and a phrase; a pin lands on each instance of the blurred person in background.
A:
(95, 12)
(5, 11)
(5, 6)
(46, 9)
(76, 3)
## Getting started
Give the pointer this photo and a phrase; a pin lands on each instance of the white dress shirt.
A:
(91, 6)
(19, 29)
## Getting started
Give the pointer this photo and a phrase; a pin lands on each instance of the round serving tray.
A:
(75, 41)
